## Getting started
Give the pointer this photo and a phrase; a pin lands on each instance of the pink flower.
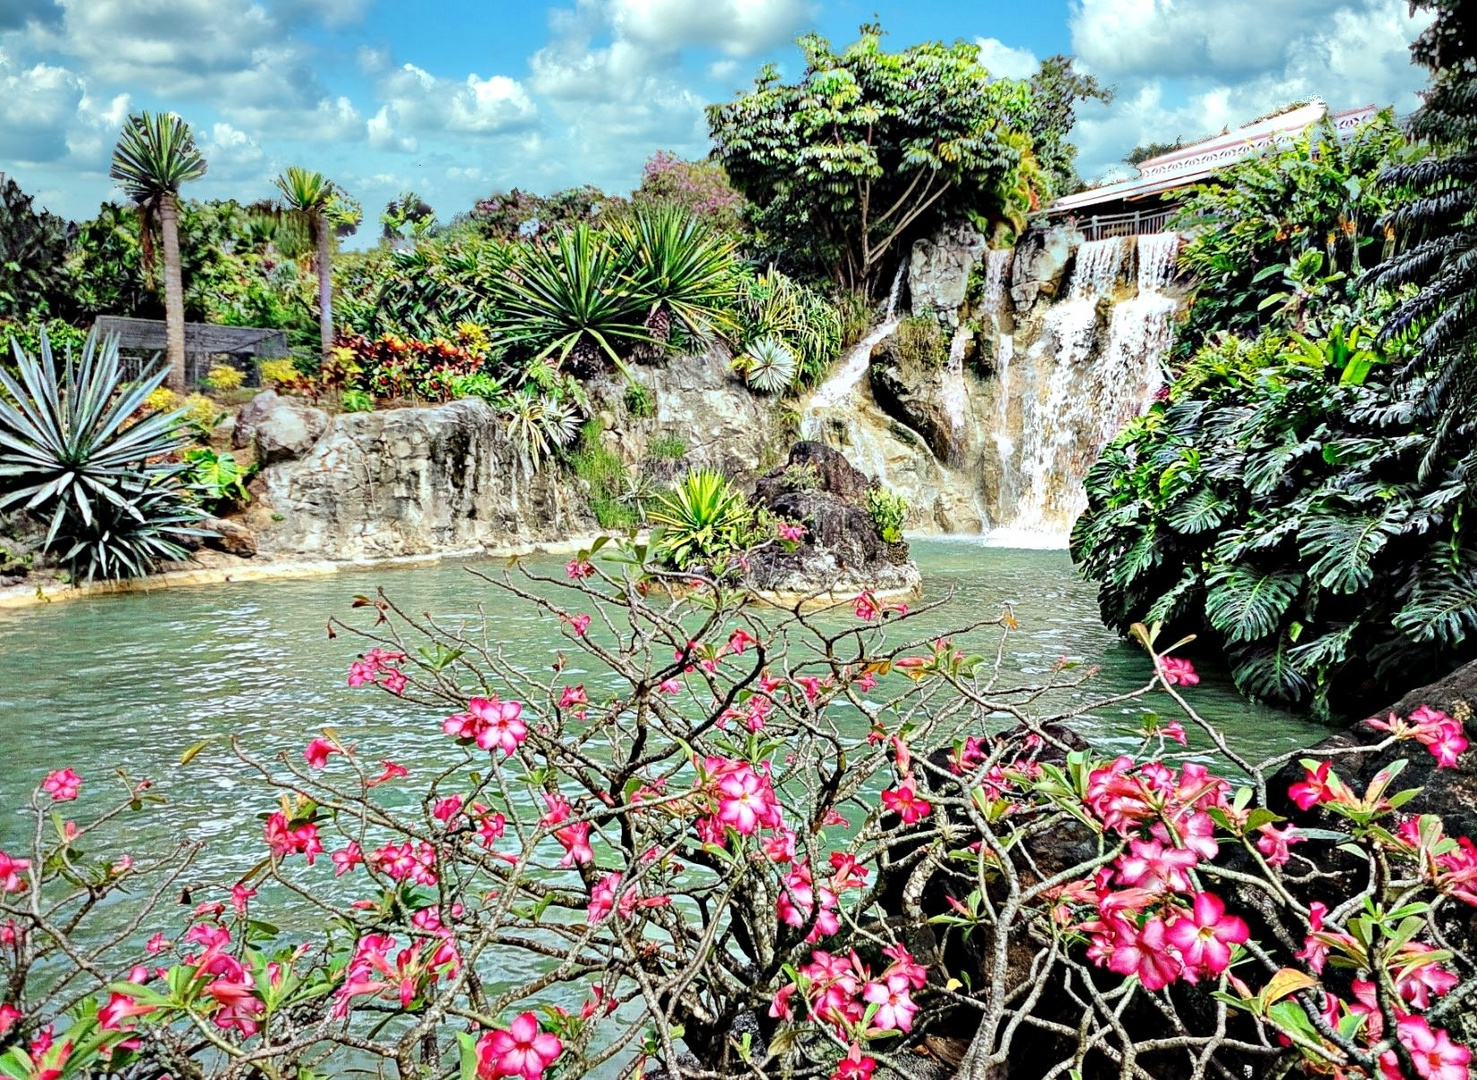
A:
(157, 944)
(1432, 1052)
(241, 894)
(799, 897)
(285, 839)
(739, 640)
(347, 859)
(854, 1066)
(9, 1014)
(575, 839)
(745, 799)
(521, 1051)
(391, 771)
(1175, 670)
(394, 681)
(580, 623)
(61, 785)
(865, 606)
(1204, 937)
(120, 1008)
(406, 862)
(1149, 865)
(1142, 951)
(501, 724)
(1439, 733)
(1176, 731)
(447, 808)
(578, 568)
(780, 1008)
(1418, 982)
(894, 1003)
(602, 898)
(792, 533)
(903, 964)
(1314, 788)
(670, 686)
(1274, 842)
(573, 696)
(903, 801)
(316, 755)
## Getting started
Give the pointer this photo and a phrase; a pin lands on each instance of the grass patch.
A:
(600, 467)
(667, 448)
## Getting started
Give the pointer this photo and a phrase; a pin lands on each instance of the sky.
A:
(457, 99)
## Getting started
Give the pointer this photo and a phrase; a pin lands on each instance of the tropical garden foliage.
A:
(869, 149)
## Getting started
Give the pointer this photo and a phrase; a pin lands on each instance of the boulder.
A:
(287, 431)
(723, 425)
(243, 433)
(915, 397)
(229, 536)
(1040, 268)
(412, 481)
(939, 270)
(843, 553)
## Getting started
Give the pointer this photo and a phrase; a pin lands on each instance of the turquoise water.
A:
(132, 681)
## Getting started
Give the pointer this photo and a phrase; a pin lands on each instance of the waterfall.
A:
(839, 386)
(1077, 407)
(997, 264)
(955, 393)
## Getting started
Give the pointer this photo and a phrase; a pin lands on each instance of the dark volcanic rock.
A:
(915, 397)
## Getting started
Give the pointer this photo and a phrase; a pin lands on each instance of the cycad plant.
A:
(155, 155)
(572, 297)
(702, 518)
(314, 203)
(682, 269)
(71, 452)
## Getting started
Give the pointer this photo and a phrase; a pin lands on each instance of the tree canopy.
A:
(869, 149)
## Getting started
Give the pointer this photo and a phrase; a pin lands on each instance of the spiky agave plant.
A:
(684, 272)
(69, 452)
(767, 365)
(702, 518)
(572, 298)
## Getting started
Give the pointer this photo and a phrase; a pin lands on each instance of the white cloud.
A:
(417, 101)
(233, 155)
(38, 106)
(1190, 70)
(735, 27)
(1004, 62)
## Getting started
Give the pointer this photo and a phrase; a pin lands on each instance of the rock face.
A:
(287, 431)
(407, 482)
(230, 536)
(939, 270)
(843, 553)
(1040, 268)
(243, 433)
(917, 398)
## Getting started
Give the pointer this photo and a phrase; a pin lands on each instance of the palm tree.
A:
(155, 155)
(315, 201)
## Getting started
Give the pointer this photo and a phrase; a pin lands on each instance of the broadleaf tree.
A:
(869, 149)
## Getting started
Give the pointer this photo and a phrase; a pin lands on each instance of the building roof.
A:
(1193, 163)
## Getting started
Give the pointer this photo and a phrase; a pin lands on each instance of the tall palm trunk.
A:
(325, 281)
(174, 293)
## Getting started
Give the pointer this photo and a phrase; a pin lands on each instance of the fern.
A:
(1245, 605)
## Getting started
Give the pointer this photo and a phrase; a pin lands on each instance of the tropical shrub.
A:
(749, 820)
(682, 271)
(1437, 213)
(278, 373)
(767, 365)
(572, 298)
(1318, 193)
(869, 149)
(392, 367)
(889, 512)
(427, 290)
(703, 521)
(771, 305)
(353, 400)
(481, 384)
(522, 215)
(216, 477)
(639, 400)
(33, 252)
(73, 452)
(224, 377)
(699, 187)
(1274, 502)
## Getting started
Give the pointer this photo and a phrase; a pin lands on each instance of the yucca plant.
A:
(767, 365)
(539, 424)
(572, 298)
(683, 270)
(69, 451)
(156, 153)
(702, 518)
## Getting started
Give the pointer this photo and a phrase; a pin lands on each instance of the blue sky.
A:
(458, 98)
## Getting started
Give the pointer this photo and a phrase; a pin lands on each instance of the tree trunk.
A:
(325, 282)
(174, 293)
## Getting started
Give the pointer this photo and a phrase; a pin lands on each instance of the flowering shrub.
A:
(749, 841)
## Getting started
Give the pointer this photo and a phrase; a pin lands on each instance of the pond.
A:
(132, 681)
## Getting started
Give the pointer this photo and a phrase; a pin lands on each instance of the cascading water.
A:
(997, 265)
(955, 393)
(1050, 464)
(839, 386)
